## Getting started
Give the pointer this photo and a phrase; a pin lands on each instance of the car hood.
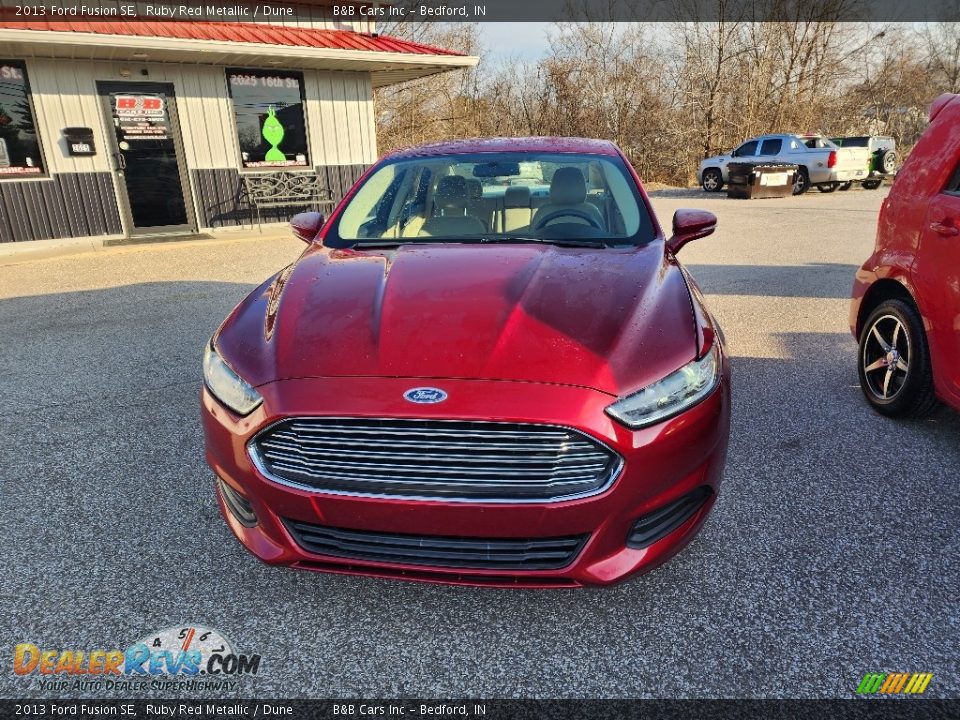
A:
(713, 160)
(613, 320)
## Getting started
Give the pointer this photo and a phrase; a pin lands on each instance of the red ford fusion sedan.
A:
(486, 368)
(906, 296)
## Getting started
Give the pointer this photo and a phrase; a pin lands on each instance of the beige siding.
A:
(339, 108)
(340, 117)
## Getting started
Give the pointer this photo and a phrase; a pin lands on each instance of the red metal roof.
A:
(236, 32)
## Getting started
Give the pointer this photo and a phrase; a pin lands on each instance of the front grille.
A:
(437, 551)
(436, 460)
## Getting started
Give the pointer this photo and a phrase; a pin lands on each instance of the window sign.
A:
(268, 107)
(19, 146)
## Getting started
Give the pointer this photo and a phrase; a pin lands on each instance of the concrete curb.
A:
(33, 250)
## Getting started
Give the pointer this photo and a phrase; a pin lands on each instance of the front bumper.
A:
(661, 464)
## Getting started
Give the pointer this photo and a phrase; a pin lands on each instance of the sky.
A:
(525, 41)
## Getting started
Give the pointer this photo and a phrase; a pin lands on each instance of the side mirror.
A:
(306, 225)
(690, 225)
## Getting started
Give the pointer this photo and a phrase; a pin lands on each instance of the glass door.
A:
(148, 156)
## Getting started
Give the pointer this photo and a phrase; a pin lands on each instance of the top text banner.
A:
(418, 11)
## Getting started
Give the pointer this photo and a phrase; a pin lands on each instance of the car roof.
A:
(514, 144)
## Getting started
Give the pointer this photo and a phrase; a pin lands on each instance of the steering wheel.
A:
(568, 212)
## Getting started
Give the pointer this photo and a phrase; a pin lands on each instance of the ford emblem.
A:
(425, 395)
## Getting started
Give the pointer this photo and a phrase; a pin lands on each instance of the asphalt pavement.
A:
(832, 550)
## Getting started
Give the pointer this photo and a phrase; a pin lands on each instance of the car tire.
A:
(845, 186)
(712, 180)
(828, 187)
(872, 183)
(887, 161)
(802, 182)
(893, 362)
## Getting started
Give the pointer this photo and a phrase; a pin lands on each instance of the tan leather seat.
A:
(450, 217)
(516, 208)
(482, 208)
(568, 191)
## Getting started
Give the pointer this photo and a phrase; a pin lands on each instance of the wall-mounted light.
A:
(125, 72)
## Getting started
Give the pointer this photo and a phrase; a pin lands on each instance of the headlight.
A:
(228, 387)
(672, 395)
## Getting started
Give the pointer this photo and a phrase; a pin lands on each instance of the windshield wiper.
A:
(562, 242)
(375, 244)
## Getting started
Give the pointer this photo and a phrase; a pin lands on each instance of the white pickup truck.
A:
(821, 163)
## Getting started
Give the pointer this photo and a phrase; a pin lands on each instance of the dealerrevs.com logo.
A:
(894, 683)
(189, 657)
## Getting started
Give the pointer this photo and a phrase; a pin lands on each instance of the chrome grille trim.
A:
(435, 460)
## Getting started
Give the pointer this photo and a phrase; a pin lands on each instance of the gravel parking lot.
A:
(832, 550)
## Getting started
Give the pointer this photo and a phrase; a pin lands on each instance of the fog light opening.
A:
(663, 521)
(237, 504)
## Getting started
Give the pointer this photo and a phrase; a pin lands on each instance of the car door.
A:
(746, 152)
(936, 278)
(770, 149)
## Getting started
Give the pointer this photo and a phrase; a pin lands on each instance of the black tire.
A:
(845, 186)
(712, 180)
(828, 187)
(886, 161)
(802, 182)
(893, 362)
(872, 183)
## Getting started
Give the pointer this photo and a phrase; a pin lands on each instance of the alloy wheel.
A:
(800, 184)
(710, 181)
(886, 357)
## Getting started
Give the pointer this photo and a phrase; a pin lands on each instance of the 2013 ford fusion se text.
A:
(486, 368)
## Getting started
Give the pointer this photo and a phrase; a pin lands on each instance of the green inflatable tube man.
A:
(273, 133)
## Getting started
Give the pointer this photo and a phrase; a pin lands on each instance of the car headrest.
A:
(474, 190)
(568, 187)
(517, 196)
(451, 193)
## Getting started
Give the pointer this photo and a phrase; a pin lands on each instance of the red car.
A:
(906, 296)
(487, 368)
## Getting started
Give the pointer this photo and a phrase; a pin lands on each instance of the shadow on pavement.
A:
(813, 280)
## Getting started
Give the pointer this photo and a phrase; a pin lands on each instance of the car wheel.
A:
(872, 184)
(828, 187)
(712, 180)
(894, 362)
(802, 182)
(845, 186)
(888, 161)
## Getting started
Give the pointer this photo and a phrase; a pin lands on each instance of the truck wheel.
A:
(872, 183)
(828, 187)
(894, 367)
(887, 161)
(712, 180)
(845, 186)
(802, 182)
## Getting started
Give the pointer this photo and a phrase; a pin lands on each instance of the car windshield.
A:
(565, 199)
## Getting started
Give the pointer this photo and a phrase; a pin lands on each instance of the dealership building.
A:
(115, 128)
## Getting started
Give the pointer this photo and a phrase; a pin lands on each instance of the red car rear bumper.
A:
(661, 464)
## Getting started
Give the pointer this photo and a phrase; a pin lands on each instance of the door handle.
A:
(943, 229)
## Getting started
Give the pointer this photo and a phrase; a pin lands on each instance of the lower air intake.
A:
(665, 520)
(438, 551)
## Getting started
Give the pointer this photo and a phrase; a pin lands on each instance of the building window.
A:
(19, 146)
(268, 107)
